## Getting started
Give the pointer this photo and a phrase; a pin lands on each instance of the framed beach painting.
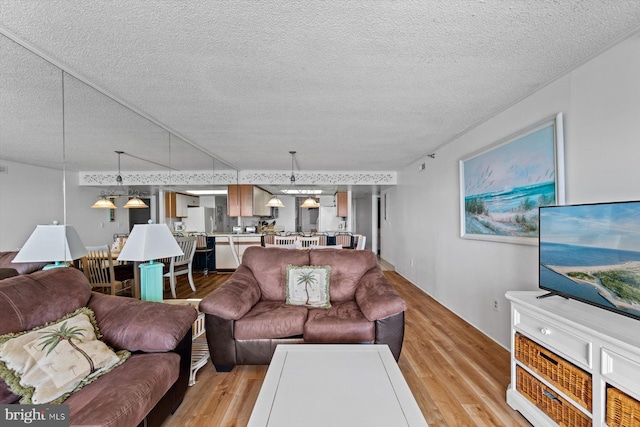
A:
(502, 186)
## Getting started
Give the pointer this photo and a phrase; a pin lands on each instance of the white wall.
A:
(29, 195)
(364, 218)
(287, 215)
(600, 103)
(93, 225)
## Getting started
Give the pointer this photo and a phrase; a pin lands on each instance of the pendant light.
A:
(275, 202)
(310, 202)
(104, 201)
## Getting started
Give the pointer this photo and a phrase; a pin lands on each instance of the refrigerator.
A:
(201, 220)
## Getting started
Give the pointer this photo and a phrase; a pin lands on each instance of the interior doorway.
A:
(140, 215)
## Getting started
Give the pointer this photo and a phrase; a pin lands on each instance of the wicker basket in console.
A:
(622, 410)
(569, 379)
(548, 401)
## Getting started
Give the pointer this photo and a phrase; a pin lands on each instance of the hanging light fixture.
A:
(275, 202)
(135, 203)
(310, 202)
(104, 202)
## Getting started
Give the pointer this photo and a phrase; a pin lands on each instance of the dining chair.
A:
(182, 264)
(98, 267)
(284, 240)
(267, 239)
(306, 242)
(322, 239)
(344, 239)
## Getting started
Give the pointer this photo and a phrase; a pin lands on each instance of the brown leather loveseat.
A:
(247, 317)
(148, 386)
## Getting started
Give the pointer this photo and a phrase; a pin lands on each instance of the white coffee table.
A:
(338, 385)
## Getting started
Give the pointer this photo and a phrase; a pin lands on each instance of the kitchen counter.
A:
(241, 241)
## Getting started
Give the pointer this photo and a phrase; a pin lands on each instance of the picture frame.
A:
(502, 186)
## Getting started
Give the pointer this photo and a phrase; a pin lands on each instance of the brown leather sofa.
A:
(148, 386)
(7, 264)
(246, 317)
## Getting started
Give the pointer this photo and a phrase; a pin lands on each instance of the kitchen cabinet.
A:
(224, 258)
(247, 200)
(176, 204)
(572, 363)
(342, 204)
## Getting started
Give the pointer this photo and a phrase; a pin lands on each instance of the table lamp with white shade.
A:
(148, 242)
(53, 242)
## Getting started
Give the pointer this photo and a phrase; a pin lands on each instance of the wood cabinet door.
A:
(341, 204)
(240, 200)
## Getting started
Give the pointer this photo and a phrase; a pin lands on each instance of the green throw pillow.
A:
(308, 285)
(48, 363)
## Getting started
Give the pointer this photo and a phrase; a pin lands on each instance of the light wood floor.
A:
(458, 376)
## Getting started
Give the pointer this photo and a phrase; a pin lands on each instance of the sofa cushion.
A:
(46, 364)
(346, 271)
(124, 396)
(21, 308)
(342, 323)
(6, 261)
(308, 285)
(269, 267)
(271, 319)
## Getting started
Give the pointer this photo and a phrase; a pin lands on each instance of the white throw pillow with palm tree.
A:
(48, 363)
(308, 285)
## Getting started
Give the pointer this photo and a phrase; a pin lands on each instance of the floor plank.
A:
(458, 375)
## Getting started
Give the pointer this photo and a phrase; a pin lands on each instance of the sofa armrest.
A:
(235, 297)
(377, 298)
(134, 325)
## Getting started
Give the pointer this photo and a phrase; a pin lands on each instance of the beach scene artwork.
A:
(503, 187)
(592, 252)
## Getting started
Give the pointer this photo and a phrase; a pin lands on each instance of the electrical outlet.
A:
(496, 306)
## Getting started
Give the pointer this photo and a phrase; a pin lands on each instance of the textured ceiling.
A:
(351, 85)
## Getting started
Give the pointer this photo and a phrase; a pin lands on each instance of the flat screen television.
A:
(591, 253)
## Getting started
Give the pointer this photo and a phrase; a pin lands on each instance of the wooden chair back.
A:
(306, 242)
(98, 268)
(284, 240)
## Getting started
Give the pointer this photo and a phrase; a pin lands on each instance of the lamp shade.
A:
(135, 203)
(275, 202)
(103, 203)
(310, 202)
(148, 242)
(52, 243)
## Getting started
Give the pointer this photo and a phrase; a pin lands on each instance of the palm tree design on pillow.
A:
(307, 279)
(55, 337)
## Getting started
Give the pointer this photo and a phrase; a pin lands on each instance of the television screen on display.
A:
(591, 253)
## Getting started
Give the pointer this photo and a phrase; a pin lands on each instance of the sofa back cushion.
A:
(6, 261)
(347, 268)
(31, 300)
(269, 267)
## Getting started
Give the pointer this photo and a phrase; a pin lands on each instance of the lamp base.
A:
(151, 283)
(57, 264)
